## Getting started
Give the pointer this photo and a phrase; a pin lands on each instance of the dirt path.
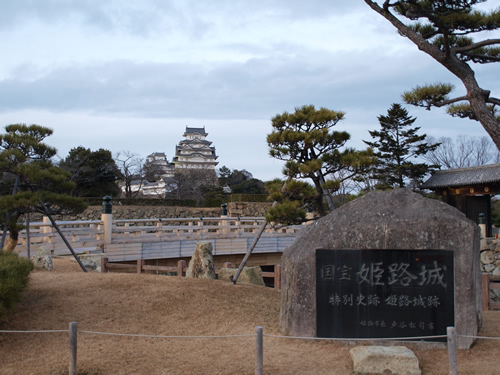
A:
(161, 305)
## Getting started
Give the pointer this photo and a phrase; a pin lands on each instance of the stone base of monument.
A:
(395, 360)
(248, 276)
(388, 264)
(201, 265)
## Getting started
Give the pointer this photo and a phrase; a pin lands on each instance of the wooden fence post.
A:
(104, 264)
(181, 264)
(259, 351)
(277, 276)
(485, 289)
(140, 263)
(452, 350)
(72, 347)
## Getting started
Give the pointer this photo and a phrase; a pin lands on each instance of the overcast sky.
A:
(131, 75)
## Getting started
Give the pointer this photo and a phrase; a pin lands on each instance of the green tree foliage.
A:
(94, 173)
(495, 213)
(29, 178)
(292, 200)
(395, 145)
(312, 150)
(224, 175)
(442, 29)
(14, 277)
(251, 186)
(240, 182)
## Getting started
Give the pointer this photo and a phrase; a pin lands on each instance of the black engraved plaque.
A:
(384, 293)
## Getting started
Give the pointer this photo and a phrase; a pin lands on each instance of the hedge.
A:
(14, 277)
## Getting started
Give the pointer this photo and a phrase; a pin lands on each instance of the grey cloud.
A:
(137, 18)
(258, 88)
(146, 16)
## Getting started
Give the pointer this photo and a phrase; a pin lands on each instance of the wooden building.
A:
(468, 189)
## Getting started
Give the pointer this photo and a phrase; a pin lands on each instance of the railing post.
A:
(201, 230)
(181, 264)
(159, 225)
(104, 264)
(107, 219)
(259, 351)
(485, 291)
(452, 350)
(277, 276)
(46, 229)
(140, 263)
(72, 347)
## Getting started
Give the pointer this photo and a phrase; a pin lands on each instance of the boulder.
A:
(398, 219)
(201, 265)
(43, 260)
(248, 276)
(91, 262)
(395, 360)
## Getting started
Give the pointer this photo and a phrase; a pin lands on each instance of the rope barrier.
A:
(480, 337)
(163, 337)
(47, 331)
(410, 339)
(259, 344)
(358, 339)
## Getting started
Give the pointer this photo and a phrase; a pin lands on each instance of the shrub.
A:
(14, 276)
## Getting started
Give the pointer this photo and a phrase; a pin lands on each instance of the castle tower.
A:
(195, 151)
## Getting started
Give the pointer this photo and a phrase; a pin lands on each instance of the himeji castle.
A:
(195, 151)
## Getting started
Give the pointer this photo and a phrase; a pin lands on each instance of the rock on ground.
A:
(201, 265)
(42, 261)
(248, 276)
(396, 360)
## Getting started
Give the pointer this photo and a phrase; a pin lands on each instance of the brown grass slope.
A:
(160, 305)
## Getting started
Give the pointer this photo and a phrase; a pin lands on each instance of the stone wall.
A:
(490, 263)
(235, 209)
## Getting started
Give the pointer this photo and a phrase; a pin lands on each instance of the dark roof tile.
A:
(464, 176)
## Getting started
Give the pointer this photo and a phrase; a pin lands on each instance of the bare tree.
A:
(463, 152)
(189, 183)
(131, 166)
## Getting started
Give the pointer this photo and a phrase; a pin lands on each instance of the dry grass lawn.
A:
(161, 305)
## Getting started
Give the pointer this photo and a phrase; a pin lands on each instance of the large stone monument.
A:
(388, 264)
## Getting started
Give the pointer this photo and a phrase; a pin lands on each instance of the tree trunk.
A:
(10, 244)
(476, 96)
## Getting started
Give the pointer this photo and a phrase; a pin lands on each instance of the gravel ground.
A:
(170, 306)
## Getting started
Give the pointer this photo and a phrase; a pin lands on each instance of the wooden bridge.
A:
(162, 240)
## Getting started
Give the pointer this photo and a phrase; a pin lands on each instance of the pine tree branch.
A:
(486, 42)
(494, 101)
(421, 43)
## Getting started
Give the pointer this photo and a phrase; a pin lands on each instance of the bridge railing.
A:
(194, 227)
(89, 236)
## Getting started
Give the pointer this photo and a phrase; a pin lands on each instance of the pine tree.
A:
(313, 150)
(395, 145)
(443, 29)
(29, 181)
